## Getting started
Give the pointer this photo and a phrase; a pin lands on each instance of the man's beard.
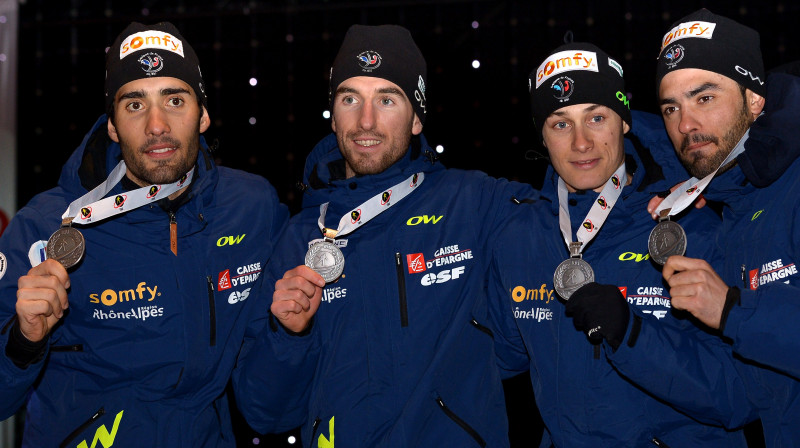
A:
(701, 166)
(362, 166)
(166, 172)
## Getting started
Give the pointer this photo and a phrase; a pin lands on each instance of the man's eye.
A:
(387, 101)
(134, 106)
(560, 125)
(348, 100)
(668, 110)
(175, 101)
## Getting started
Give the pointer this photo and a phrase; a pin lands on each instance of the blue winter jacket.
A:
(406, 355)
(761, 242)
(583, 401)
(144, 352)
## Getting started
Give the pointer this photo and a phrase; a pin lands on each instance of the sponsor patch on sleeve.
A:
(3, 265)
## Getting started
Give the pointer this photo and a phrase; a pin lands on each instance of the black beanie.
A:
(387, 52)
(710, 42)
(142, 51)
(577, 73)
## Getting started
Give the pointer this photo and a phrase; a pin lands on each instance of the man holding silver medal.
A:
(586, 243)
(405, 356)
(734, 129)
(125, 324)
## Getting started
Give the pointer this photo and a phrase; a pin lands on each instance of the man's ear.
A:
(112, 131)
(416, 127)
(333, 123)
(205, 121)
(755, 103)
(625, 127)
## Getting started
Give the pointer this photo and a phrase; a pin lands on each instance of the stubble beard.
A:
(365, 165)
(166, 171)
(699, 165)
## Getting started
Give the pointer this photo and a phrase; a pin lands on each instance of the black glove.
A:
(600, 311)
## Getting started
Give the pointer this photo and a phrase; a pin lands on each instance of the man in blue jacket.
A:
(405, 354)
(712, 90)
(124, 290)
(586, 241)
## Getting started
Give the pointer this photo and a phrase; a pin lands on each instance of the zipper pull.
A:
(744, 280)
(173, 233)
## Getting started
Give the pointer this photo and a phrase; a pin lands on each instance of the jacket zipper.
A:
(658, 442)
(401, 289)
(482, 328)
(82, 427)
(464, 425)
(212, 313)
(314, 427)
(744, 278)
(66, 348)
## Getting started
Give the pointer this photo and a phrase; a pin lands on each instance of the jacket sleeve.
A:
(15, 243)
(690, 369)
(274, 373)
(681, 363)
(512, 356)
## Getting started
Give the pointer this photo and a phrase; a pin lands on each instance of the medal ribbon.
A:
(91, 207)
(371, 208)
(597, 214)
(687, 192)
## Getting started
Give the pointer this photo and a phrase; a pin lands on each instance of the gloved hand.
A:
(600, 311)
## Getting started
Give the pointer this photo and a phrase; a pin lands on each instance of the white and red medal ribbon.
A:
(597, 213)
(683, 196)
(371, 208)
(91, 207)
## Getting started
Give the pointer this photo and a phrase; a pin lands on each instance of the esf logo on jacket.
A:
(443, 276)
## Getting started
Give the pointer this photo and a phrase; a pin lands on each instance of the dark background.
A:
(481, 116)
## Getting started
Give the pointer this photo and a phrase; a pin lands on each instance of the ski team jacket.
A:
(147, 346)
(583, 401)
(406, 353)
(759, 242)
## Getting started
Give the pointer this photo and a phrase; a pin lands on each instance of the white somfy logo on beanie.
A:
(703, 30)
(150, 39)
(566, 61)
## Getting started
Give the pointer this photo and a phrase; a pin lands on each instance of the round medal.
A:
(326, 259)
(66, 245)
(570, 275)
(666, 239)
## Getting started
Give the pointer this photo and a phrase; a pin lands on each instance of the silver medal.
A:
(66, 245)
(570, 275)
(666, 239)
(326, 259)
